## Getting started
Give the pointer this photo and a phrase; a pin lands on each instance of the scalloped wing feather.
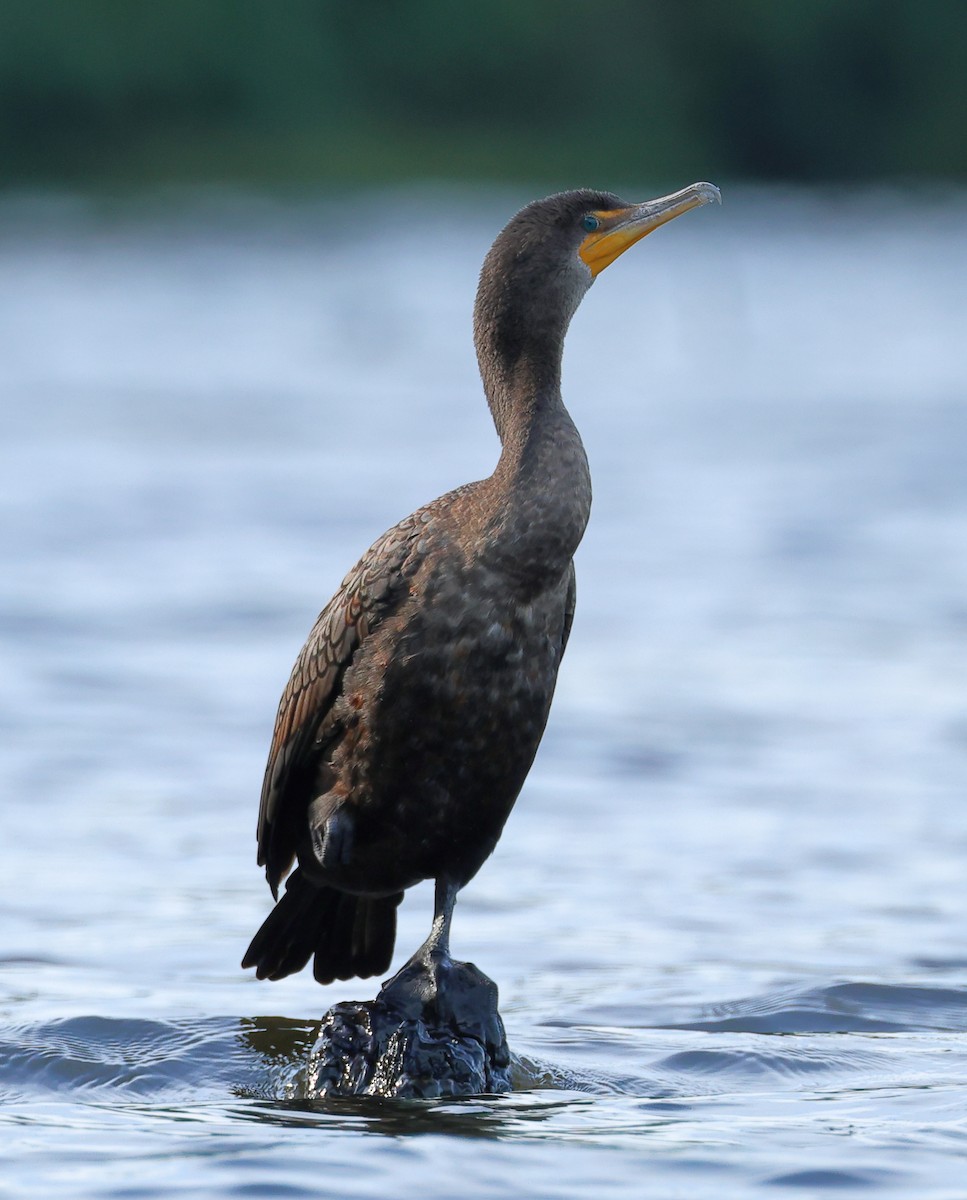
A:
(305, 719)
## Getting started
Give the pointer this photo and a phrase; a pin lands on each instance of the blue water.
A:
(728, 918)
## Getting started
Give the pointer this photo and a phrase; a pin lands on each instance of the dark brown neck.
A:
(539, 497)
(540, 491)
(522, 388)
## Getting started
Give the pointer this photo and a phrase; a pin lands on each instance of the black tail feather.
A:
(350, 936)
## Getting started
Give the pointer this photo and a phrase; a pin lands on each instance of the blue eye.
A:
(590, 222)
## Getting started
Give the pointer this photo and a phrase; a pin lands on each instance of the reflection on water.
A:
(727, 918)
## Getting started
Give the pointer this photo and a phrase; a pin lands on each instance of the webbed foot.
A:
(433, 988)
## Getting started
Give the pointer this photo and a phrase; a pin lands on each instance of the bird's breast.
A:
(444, 711)
(469, 639)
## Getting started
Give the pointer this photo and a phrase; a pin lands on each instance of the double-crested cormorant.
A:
(415, 709)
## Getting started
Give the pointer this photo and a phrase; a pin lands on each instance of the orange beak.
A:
(623, 227)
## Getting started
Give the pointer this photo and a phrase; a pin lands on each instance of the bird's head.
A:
(548, 255)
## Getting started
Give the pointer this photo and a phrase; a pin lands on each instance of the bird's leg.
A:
(441, 994)
(420, 979)
(437, 945)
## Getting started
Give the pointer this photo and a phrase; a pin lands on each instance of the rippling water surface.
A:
(728, 917)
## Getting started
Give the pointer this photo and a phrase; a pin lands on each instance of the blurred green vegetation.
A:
(296, 91)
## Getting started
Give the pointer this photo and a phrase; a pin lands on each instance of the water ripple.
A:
(837, 1008)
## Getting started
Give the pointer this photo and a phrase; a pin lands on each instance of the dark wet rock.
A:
(433, 1030)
